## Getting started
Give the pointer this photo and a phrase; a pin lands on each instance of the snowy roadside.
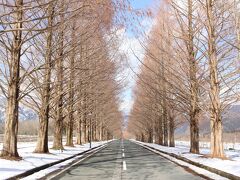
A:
(206, 145)
(32, 160)
(231, 166)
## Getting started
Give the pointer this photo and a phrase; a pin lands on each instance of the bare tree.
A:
(42, 144)
(11, 124)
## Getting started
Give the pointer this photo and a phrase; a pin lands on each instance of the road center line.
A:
(123, 155)
(124, 165)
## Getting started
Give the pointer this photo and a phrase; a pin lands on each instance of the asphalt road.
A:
(127, 161)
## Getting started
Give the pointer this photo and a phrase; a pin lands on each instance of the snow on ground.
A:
(46, 171)
(192, 167)
(232, 165)
(31, 160)
(227, 146)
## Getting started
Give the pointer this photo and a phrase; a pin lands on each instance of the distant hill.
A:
(25, 114)
(231, 122)
(231, 119)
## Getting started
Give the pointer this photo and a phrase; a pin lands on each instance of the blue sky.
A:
(141, 3)
(131, 42)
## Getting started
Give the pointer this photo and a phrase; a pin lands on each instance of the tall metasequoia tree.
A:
(70, 120)
(58, 129)
(42, 142)
(80, 97)
(164, 105)
(159, 123)
(171, 127)
(79, 120)
(194, 107)
(204, 40)
(11, 124)
(215, 106)
(185, 16)
(45, 53)
(154, 84)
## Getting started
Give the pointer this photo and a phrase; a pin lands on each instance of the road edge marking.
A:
(91, 153)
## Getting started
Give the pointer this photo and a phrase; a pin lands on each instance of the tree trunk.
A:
(215, 107)
(85, 130)
(171, 131)
(69, 134)
(164, 106)
(150, 135)
(71, 91)
(194, 133)
(165, 125)
(194, 109)
(79, 131)
(57, 138)
(88, 133)
(42, 141)
(142, 137)
(57, 142)
(80, 115)
(11, 123)
(101, 132)
(94, 132)
(160, 131)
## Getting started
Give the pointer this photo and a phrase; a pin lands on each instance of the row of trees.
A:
(190, 71)
(60, 59)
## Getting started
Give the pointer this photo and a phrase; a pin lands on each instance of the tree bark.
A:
(69, 134)
(171, 131)
(194, 109)
(69, 128)
(57, 142)
(150, 134)
(165, 119)
(215, 107)
(160, 130)
(85, 136)
(42, 141)
(142, 137)
(79, 131)
(11, 124)
(164, 105)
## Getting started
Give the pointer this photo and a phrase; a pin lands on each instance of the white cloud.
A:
(131, 46)
(126, 105)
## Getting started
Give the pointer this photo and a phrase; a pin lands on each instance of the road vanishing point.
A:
(126, 160)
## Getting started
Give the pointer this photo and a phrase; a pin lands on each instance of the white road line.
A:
(123, 155)
(118, 169)
(122, 150)
(124, 165)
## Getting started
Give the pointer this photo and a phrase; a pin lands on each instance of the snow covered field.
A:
(31, 160)
(227, 146)
(232, 165)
